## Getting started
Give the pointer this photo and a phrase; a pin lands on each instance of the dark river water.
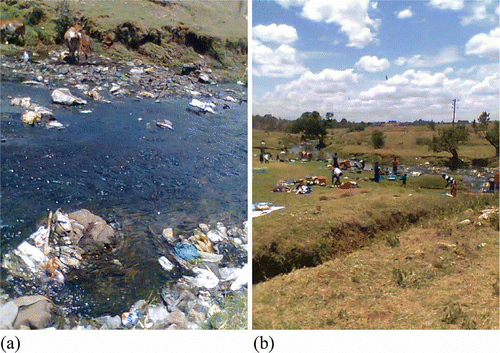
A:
(119, 165)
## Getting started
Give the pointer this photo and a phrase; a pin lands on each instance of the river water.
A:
(118, 164)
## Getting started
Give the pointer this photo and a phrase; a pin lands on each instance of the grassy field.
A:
(329, 260)
(400, 141)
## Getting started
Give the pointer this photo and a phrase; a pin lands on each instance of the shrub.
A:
(64, 19)
(378, 140)
(423, 141)
(36, 16)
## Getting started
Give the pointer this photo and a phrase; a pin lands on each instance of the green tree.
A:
(378, 139)
(312, 126)
(448, 140)
(487, 130)
(492, 136)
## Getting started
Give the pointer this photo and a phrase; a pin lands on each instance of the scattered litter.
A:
(130, 318)
(263, 208)
(166, 264)
(165, 124)
(206, 107)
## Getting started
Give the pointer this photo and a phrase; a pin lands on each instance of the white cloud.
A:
(372, 64)
(405, 14)
(275, 62)
(481, 12)
(484, 45)
(311, 91)
(280, 34)
(446, 56)
(416, 93)
(352, 17)
(287, 3)
(447, 4)
(409, 96)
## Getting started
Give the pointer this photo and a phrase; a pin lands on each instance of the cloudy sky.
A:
(379, 60)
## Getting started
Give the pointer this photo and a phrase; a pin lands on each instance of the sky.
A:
(371, 61)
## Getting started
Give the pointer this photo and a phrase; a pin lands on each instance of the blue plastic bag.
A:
(186, 252)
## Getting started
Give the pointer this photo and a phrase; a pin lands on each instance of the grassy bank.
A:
(171, 33)
(437, 274)
(325, 224)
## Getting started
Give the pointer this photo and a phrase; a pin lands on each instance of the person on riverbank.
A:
(403, 179)
(395, 165)
(449, 180)
(454, 189)
(336, 174)
(335, 161)
(376, 177)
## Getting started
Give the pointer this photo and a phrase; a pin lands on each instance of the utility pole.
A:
(454, 106)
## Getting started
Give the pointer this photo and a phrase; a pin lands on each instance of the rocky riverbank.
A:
(208, 288)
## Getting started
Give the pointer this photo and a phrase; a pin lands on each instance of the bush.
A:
(423, 141)
(378, 139)
(64, 19)
(36, 16)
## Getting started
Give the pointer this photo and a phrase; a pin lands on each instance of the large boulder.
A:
(90, 229)
(33, 312)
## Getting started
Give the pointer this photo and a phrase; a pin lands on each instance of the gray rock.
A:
(8, 313)
(34, 311)
(64, 96)
(110, 322)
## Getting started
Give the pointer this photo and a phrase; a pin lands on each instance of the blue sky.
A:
(376, 60)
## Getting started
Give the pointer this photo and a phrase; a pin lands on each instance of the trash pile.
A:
(214, 267)
(208, 268)
(54, 250)
(36, 114)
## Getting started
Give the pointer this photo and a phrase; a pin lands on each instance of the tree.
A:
(378, 140)
(312, 126)
(487, 130)
(448, 140)
(492, 136)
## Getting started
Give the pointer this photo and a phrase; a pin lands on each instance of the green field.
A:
(325, 259)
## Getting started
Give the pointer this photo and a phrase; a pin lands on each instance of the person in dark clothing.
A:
(335, 161)
(376, 177)
(362, 163)
(403, 179)
(261, 157)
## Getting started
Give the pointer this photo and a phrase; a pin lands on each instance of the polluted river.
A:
(166, 174)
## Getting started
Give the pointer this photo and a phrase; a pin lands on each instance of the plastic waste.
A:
(130, 318)
(205, 278)
(166, 264)
(186, 252)
(206, 107)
